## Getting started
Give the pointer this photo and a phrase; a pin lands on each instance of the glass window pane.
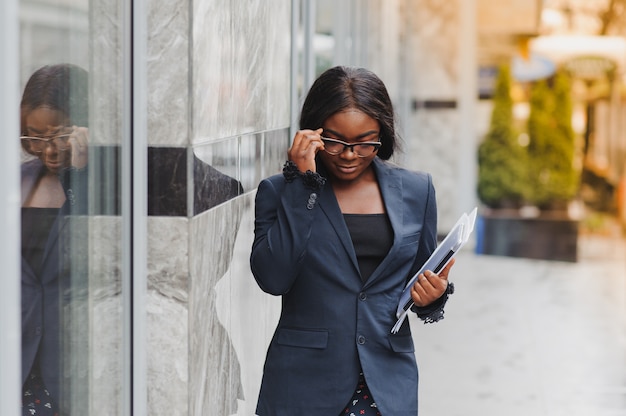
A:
(71, 128)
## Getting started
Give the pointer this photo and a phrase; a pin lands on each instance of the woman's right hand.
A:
(79, 141)
(306, 144)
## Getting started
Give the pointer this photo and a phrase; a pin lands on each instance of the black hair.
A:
(61, 87)
(341, 88)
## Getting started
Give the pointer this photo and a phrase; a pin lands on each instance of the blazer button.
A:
(362, 296)
(70, 196)
(361, 340)
(309, 205)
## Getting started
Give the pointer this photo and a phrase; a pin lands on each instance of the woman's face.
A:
(49, 125)
(350, 126)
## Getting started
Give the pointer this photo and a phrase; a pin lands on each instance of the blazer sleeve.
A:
(284, 216)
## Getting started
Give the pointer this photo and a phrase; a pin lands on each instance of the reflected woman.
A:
(54, 120)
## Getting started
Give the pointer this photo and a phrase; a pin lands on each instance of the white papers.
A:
(454, 241)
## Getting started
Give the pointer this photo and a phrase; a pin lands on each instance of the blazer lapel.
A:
(390, 184)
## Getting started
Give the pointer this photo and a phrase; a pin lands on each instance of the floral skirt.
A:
(35, 397)
(362, 402)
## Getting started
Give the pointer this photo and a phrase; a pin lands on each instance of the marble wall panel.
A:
(222, 155)
(212, 187)
(241, 61)
(262, 155)
(105, 314)
(192, 362)
(231, 320)
(106, 42)
(106, 351)
(251, 160)
(384, 35)
(168, 251)
(106, 71)
(215, 383)
(218, 172)
(248, 315)
(75, 372)
(167, 315)
(429, 150)
(434, 59)
(274, 155)
(203, 178)
(168, 72)
(167, 181)
(431, 131)
(167, 355)
(233, 166)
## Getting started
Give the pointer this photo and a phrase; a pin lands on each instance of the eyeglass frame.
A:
(50, 140)
(346, 145)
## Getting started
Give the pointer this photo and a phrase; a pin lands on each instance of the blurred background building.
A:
(194, 102)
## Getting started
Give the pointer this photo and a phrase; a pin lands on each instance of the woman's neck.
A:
(360, 196)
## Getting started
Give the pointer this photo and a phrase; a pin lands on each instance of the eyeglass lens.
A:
(335, 147)
(39, 144)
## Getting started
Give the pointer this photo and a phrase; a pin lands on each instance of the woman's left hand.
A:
(430, 286)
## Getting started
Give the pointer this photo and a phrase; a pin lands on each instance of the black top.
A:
(36, 226)
(372, 237)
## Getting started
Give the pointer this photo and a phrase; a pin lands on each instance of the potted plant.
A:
(525, 187)
(501, 159)
(551, 146)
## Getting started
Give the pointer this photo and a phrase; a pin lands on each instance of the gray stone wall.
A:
(218, 87)
(439, 139)
(431, 137)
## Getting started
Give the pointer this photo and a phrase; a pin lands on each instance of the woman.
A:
(54, 102)
(338, 235)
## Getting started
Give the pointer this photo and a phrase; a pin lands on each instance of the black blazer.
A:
(332, 324)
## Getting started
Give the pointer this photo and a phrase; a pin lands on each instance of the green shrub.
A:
(552, 174)
(501, 160)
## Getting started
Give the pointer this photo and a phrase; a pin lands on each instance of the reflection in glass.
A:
(53, 185)
(71, 225)
(38, 145)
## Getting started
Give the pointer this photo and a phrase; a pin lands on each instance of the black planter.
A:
(548, 237)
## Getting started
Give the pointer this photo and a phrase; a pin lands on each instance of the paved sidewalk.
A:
(529, 337)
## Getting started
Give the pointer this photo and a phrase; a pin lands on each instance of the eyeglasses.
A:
(361, 149)
(38, 144)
